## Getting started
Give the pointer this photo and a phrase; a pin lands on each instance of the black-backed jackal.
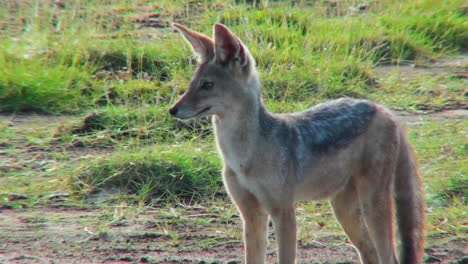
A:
(349, 151)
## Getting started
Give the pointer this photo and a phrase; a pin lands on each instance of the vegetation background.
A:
(89, 155)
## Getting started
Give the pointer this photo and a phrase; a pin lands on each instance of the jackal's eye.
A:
(207, 86)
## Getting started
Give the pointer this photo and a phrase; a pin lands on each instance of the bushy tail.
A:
(409, 206)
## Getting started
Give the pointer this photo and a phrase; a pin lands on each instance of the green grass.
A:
(107, 127)
(166, 173)
(442, 150)
(86, 55)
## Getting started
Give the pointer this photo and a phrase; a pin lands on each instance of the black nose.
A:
(173, 111)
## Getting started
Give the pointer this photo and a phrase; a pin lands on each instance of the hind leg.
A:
(348, 212)
(377, 208)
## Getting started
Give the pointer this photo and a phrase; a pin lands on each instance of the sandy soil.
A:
(67, 235)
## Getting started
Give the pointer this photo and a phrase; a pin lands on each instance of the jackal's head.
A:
(225, 78)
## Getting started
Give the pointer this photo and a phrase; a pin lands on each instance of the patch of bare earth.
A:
(414, 119)
(69, 236)
(455, 66)
(66, 235)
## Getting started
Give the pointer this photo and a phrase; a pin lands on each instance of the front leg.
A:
(284, 221)
(254, 217)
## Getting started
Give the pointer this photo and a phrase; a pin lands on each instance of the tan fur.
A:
(265, 174)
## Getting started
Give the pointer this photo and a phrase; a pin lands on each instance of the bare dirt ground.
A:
(64, 235)
(49, 235)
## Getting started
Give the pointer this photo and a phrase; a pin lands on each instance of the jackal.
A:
(352, 152)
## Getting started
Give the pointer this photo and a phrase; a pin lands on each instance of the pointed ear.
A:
(201, 44)
(228, 48)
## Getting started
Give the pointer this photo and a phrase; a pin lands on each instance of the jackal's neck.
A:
(243, 117)
(245, 112)
(239, 128)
